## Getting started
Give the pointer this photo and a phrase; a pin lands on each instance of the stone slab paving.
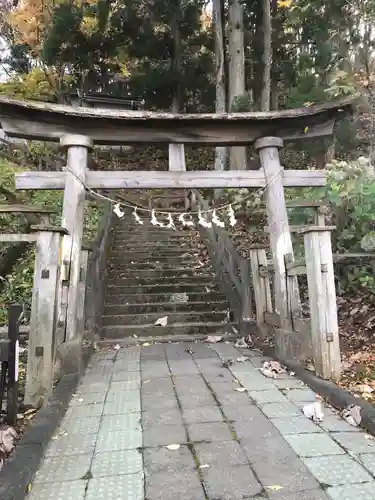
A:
(233, 444)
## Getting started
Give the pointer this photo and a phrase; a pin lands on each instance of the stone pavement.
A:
(234, 444)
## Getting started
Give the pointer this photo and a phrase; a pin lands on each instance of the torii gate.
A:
(78, 129)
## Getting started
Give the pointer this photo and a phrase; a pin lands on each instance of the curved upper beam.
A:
(46, 121)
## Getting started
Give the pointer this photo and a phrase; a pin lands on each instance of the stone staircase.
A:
(154, 273)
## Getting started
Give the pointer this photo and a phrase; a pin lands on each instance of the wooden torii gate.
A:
(78, 129)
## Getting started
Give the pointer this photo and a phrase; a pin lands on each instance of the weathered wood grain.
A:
(324, 327)
(82, 293)
(29, 209)
(262, 291)
(16, 237)
(171, 180)
(46, 121)
(280, 238)
(41, 347)
(72, 218)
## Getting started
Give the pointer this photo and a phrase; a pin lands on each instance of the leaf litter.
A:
(8, 439)
(163, 321)
(272, 369)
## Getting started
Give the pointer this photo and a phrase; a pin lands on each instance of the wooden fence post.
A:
(322, 298)
(41, 351)
(82, 293)
(262, 289)
(77, 147)
(246, 313)
(14, 313)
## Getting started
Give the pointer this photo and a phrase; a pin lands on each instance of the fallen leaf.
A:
(363, 388)
(242, 359)
(213, 339)
(240, 389)
(8, 436)
(275, 487)
(241, 343)
(314, 412)
(271, 369)
(352, 415)
(173, 447)
(162, 321)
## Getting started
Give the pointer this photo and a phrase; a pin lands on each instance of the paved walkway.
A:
(252, 443)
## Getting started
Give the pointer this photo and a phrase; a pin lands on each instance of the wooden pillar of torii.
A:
(45, 121)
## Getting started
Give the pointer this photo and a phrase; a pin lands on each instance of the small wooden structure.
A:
(78, 129)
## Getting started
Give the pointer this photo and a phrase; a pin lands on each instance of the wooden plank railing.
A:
(96, 276)
(232, 270)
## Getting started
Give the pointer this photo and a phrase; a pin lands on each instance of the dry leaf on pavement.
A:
(173, 447)
(213, 339)
(8, 436)
(275, 487)
(271, 369)
(352, 415)
(314, 412)
(242, 359)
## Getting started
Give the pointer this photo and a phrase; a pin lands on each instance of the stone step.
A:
(166, 288)
(141, 298)
(153, 265)
(152, 252)
(173, 318)
(160, 263)
(125, 272)
(160, 233)
(153, 255)
(151, 281)
(164, 307)
(121, 245)
(123, 331)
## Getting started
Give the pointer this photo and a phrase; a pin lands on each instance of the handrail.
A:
(96, 268)
(232, 270)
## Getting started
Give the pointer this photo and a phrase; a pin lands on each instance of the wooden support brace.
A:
(14, 314)
(40, 362)
(16, 238)
(323, 308)
(82, 293)
(262, 289)
(246, 292)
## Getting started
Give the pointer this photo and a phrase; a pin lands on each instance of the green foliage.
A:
(18, 285)
(350, 196)
(242, 103)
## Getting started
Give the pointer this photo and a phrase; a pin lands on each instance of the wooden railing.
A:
(96, 276)
(232, 270)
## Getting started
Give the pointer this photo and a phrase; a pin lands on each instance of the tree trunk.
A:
(267, 57)
(176, 151)
(238, 159)
(221, 152)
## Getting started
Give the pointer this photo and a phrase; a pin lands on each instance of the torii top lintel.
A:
(49, 122)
